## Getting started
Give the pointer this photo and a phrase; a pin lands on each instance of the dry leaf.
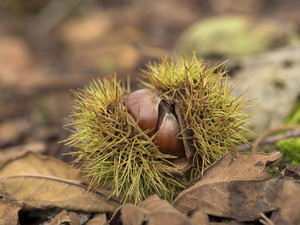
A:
(31, 163)
(291, 171)
(9, 212)
(99, 219)
(9, 208)
(73, 218)
(230, 188)
(132, 215)
(288, 204)
(152, 211)
(11, 153)
(246, 166)
(159, 218)
(60, 218)
(236, 199)
(66, 217)
(242, 200)
(200, 217)
(46, 192)
(154, 204)
(45, 182)
(289, 214)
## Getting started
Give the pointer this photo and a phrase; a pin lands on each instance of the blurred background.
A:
(49, 47)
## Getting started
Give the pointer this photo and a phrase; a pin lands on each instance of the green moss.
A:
(294, 118)
(291, 150)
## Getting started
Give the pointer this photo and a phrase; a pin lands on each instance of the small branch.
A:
(272, 139)
(275, 138)
(267, 133)
(265, 220)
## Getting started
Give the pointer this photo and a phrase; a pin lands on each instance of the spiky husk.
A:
(214, 121)
(114, 151)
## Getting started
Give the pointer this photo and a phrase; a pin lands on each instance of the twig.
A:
(271, 131)
(275, 138)
(272, 139)
(265, 220)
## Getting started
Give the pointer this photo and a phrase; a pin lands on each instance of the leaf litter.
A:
(151, 211)
(45, 182)
(238, 189)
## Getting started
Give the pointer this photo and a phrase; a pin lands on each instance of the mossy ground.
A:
(291, 150)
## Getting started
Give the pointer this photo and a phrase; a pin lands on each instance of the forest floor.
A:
(48, 48)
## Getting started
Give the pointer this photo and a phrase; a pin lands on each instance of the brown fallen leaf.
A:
(132, 215)
(200, 217)
(65, 217)
(154, 204)
(246, 200)
(60, 218)
(230, 188)
(99, 219)
(45, 182)
(289, 206)
(291, 171)
(9, 208)
(46, 192)
(152, 211)
(245, 166)
(31, 163)
(159, 218)
(9, 212)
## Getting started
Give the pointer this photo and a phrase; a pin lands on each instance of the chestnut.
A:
(153, 114)
(142, 105)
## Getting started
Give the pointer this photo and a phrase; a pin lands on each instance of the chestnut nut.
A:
(153, 114)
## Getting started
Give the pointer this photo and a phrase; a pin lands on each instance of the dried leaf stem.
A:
(271, 131)
(273, 139)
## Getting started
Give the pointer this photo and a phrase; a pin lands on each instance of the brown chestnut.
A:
(142, 105)
(155, 115)
(169, 128)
